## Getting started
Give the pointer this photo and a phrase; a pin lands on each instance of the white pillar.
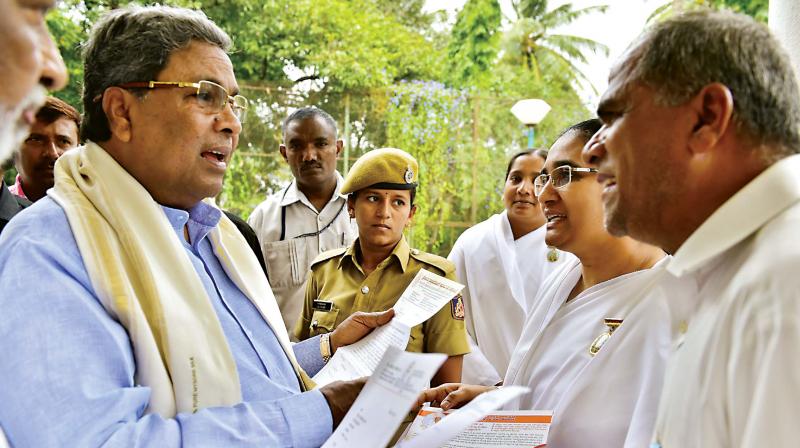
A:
(784, 20)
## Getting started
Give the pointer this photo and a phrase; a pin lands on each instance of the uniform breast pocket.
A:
(323, 322)
(287, 262)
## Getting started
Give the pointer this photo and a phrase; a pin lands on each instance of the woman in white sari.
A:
(502, 261)
(597, 337)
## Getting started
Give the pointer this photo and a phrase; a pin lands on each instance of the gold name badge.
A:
(599, 341)
(552, 255)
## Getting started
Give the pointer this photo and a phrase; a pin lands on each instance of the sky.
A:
(616, 28)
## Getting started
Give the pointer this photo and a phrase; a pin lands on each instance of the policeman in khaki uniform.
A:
(372, 273)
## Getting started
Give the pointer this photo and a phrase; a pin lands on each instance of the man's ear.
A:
(282, 148)
(713, 107)
(339, 146)
(116, 105)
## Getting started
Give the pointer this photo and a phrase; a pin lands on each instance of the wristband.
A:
(325, 347)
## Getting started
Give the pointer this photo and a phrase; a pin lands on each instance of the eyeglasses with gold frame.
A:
(210, 95)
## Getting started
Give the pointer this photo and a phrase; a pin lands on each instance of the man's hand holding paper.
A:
(426, 294)
(357, 326)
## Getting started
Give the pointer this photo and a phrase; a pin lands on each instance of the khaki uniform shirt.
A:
(338, 282)
(292, 233)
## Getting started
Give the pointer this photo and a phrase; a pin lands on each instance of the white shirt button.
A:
(364, 289)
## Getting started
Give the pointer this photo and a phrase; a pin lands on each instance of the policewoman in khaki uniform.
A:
(372, 273)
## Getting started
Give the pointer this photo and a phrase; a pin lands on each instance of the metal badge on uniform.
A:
(599, 341)
(457, 308)
(321, 305)
(683, 327)
(409, 175)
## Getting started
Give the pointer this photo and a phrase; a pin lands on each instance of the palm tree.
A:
(531, 39)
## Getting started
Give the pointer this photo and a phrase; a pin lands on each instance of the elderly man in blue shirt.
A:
(133, 311)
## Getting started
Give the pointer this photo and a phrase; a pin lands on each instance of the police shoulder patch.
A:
(327, 255)
(440, 263)
(457, 308)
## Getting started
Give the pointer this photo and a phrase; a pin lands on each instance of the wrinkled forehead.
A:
(312, 126)
(61, 125)
(201, 61)
(621, 79)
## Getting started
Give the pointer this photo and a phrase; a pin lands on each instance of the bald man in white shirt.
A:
(698, 155)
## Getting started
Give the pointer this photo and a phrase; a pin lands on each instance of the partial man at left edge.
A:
(31, 64)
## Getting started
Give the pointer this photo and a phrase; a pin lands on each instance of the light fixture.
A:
(530, 112)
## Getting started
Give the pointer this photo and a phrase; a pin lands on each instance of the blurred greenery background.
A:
(392, 74)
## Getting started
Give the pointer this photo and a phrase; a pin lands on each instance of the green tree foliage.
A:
(248, 177)
(345, 44)
(473, 47)
(530, 8)
(758, 9)
(410, 14)
(533, 43)
(443, 97)
(420, 120)
(68, 34)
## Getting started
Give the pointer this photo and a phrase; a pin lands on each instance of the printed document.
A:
(386, 399)
(478, 425)
(426, 295)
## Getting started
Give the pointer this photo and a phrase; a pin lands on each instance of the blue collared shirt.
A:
(67, 367)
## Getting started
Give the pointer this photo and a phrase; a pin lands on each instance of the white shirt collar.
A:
(293, 194)
(744, 213)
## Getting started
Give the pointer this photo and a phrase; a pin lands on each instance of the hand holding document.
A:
(426, 295)
(361, 359)
(470, 427)
(386, 399)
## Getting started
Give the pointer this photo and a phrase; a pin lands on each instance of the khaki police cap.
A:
(384, 168)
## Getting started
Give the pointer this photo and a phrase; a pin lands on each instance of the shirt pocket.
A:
(287, 262)
(323, 322)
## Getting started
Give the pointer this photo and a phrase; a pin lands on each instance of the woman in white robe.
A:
(598, 335)
(502, 261)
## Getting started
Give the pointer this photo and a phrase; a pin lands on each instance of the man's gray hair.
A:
(681, 55)
(133, 44)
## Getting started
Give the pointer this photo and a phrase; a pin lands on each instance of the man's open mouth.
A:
(215, 155)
